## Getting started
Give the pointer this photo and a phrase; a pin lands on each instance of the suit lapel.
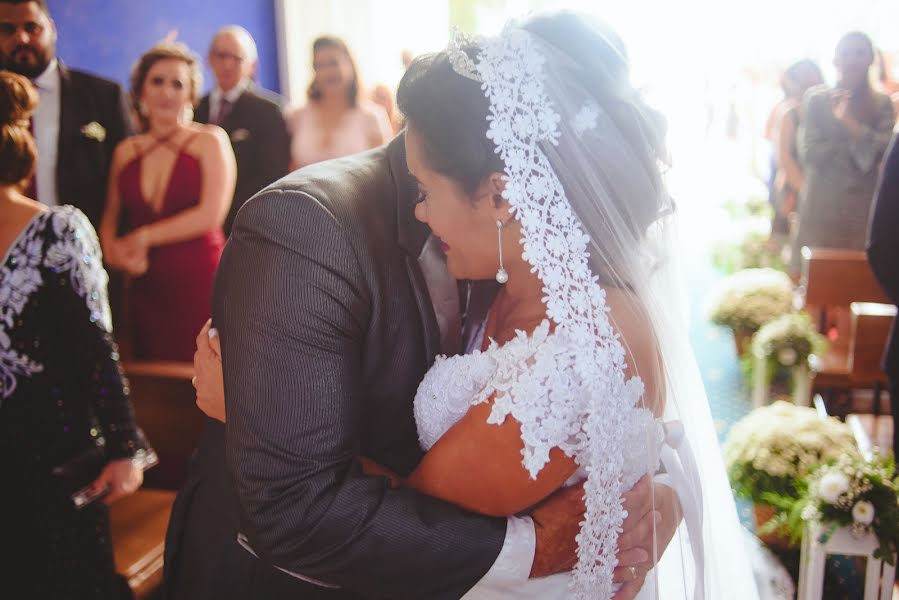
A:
(411, 237)
(430, 329)
(68, 122)
(201, 115)
(477, 300)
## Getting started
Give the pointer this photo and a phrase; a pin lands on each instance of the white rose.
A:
(832, 486)
(787, 357)
(863, 512)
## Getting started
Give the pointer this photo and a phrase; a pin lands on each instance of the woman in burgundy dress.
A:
(174, 185)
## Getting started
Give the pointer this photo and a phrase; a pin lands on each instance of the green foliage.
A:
(754, 252)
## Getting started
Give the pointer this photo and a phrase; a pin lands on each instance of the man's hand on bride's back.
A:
(208, 379)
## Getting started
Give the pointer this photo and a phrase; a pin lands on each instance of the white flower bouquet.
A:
(858, 494)
(773, 448)
(750, 298)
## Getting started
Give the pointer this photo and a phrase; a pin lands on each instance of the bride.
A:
(539, 166)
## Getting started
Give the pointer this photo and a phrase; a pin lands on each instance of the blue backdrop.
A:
(107, 36)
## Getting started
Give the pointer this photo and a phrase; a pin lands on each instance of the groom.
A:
(325, 299)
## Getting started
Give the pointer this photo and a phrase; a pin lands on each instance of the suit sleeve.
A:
(883, 242)
(292, 306)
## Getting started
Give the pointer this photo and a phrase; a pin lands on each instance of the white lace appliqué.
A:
(589, 420)
(532, 381)
(585, 119)
(75, 251)
(20, 277)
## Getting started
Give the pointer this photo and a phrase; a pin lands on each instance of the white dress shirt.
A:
(46, 132)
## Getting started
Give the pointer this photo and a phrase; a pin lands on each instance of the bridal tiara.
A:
(461, 63)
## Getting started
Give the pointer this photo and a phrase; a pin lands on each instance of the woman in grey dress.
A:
(844, 133)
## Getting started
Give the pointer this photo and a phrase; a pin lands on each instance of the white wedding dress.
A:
(583, 179)
(532, 381)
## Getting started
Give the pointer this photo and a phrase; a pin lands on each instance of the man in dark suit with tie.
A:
(251, 116)
(80, 117)
(883, 255)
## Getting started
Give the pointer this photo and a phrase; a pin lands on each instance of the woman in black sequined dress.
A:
(63, 401)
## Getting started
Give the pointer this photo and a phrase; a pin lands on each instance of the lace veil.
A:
(582, 157)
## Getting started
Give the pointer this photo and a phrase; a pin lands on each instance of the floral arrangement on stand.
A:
(770, 452)
(748, 299)
(861, 495)
(784, 342)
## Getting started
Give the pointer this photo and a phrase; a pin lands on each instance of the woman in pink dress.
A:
(337, 120)
(173, 186)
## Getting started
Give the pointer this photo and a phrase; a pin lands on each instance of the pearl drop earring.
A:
(501, 275)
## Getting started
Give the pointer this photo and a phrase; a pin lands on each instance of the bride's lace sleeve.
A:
(537, 383)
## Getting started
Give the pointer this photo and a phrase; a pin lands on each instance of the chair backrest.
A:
(871, 324)
(832, 277)
(165, 408)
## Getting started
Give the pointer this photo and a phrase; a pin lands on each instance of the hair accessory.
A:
(458, 57)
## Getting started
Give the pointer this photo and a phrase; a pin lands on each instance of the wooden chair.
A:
(831, 281)
(138, 525)
(871, 324)
(164, 406)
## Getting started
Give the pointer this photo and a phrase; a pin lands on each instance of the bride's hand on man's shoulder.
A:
(208, 379)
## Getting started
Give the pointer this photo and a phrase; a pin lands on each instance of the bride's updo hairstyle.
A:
(449, 111)
(450, 114)
(17, 149)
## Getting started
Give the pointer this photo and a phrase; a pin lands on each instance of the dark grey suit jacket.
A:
(327, 330)
(260, 141)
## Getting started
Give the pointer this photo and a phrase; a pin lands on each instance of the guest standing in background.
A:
(883, 255)
(174, 184)
(336, 120)
(789, 180)
(251, 116)
(80, 118)
(63, 399)
(844, 133)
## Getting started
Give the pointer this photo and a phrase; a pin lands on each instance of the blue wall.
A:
(106, 37)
